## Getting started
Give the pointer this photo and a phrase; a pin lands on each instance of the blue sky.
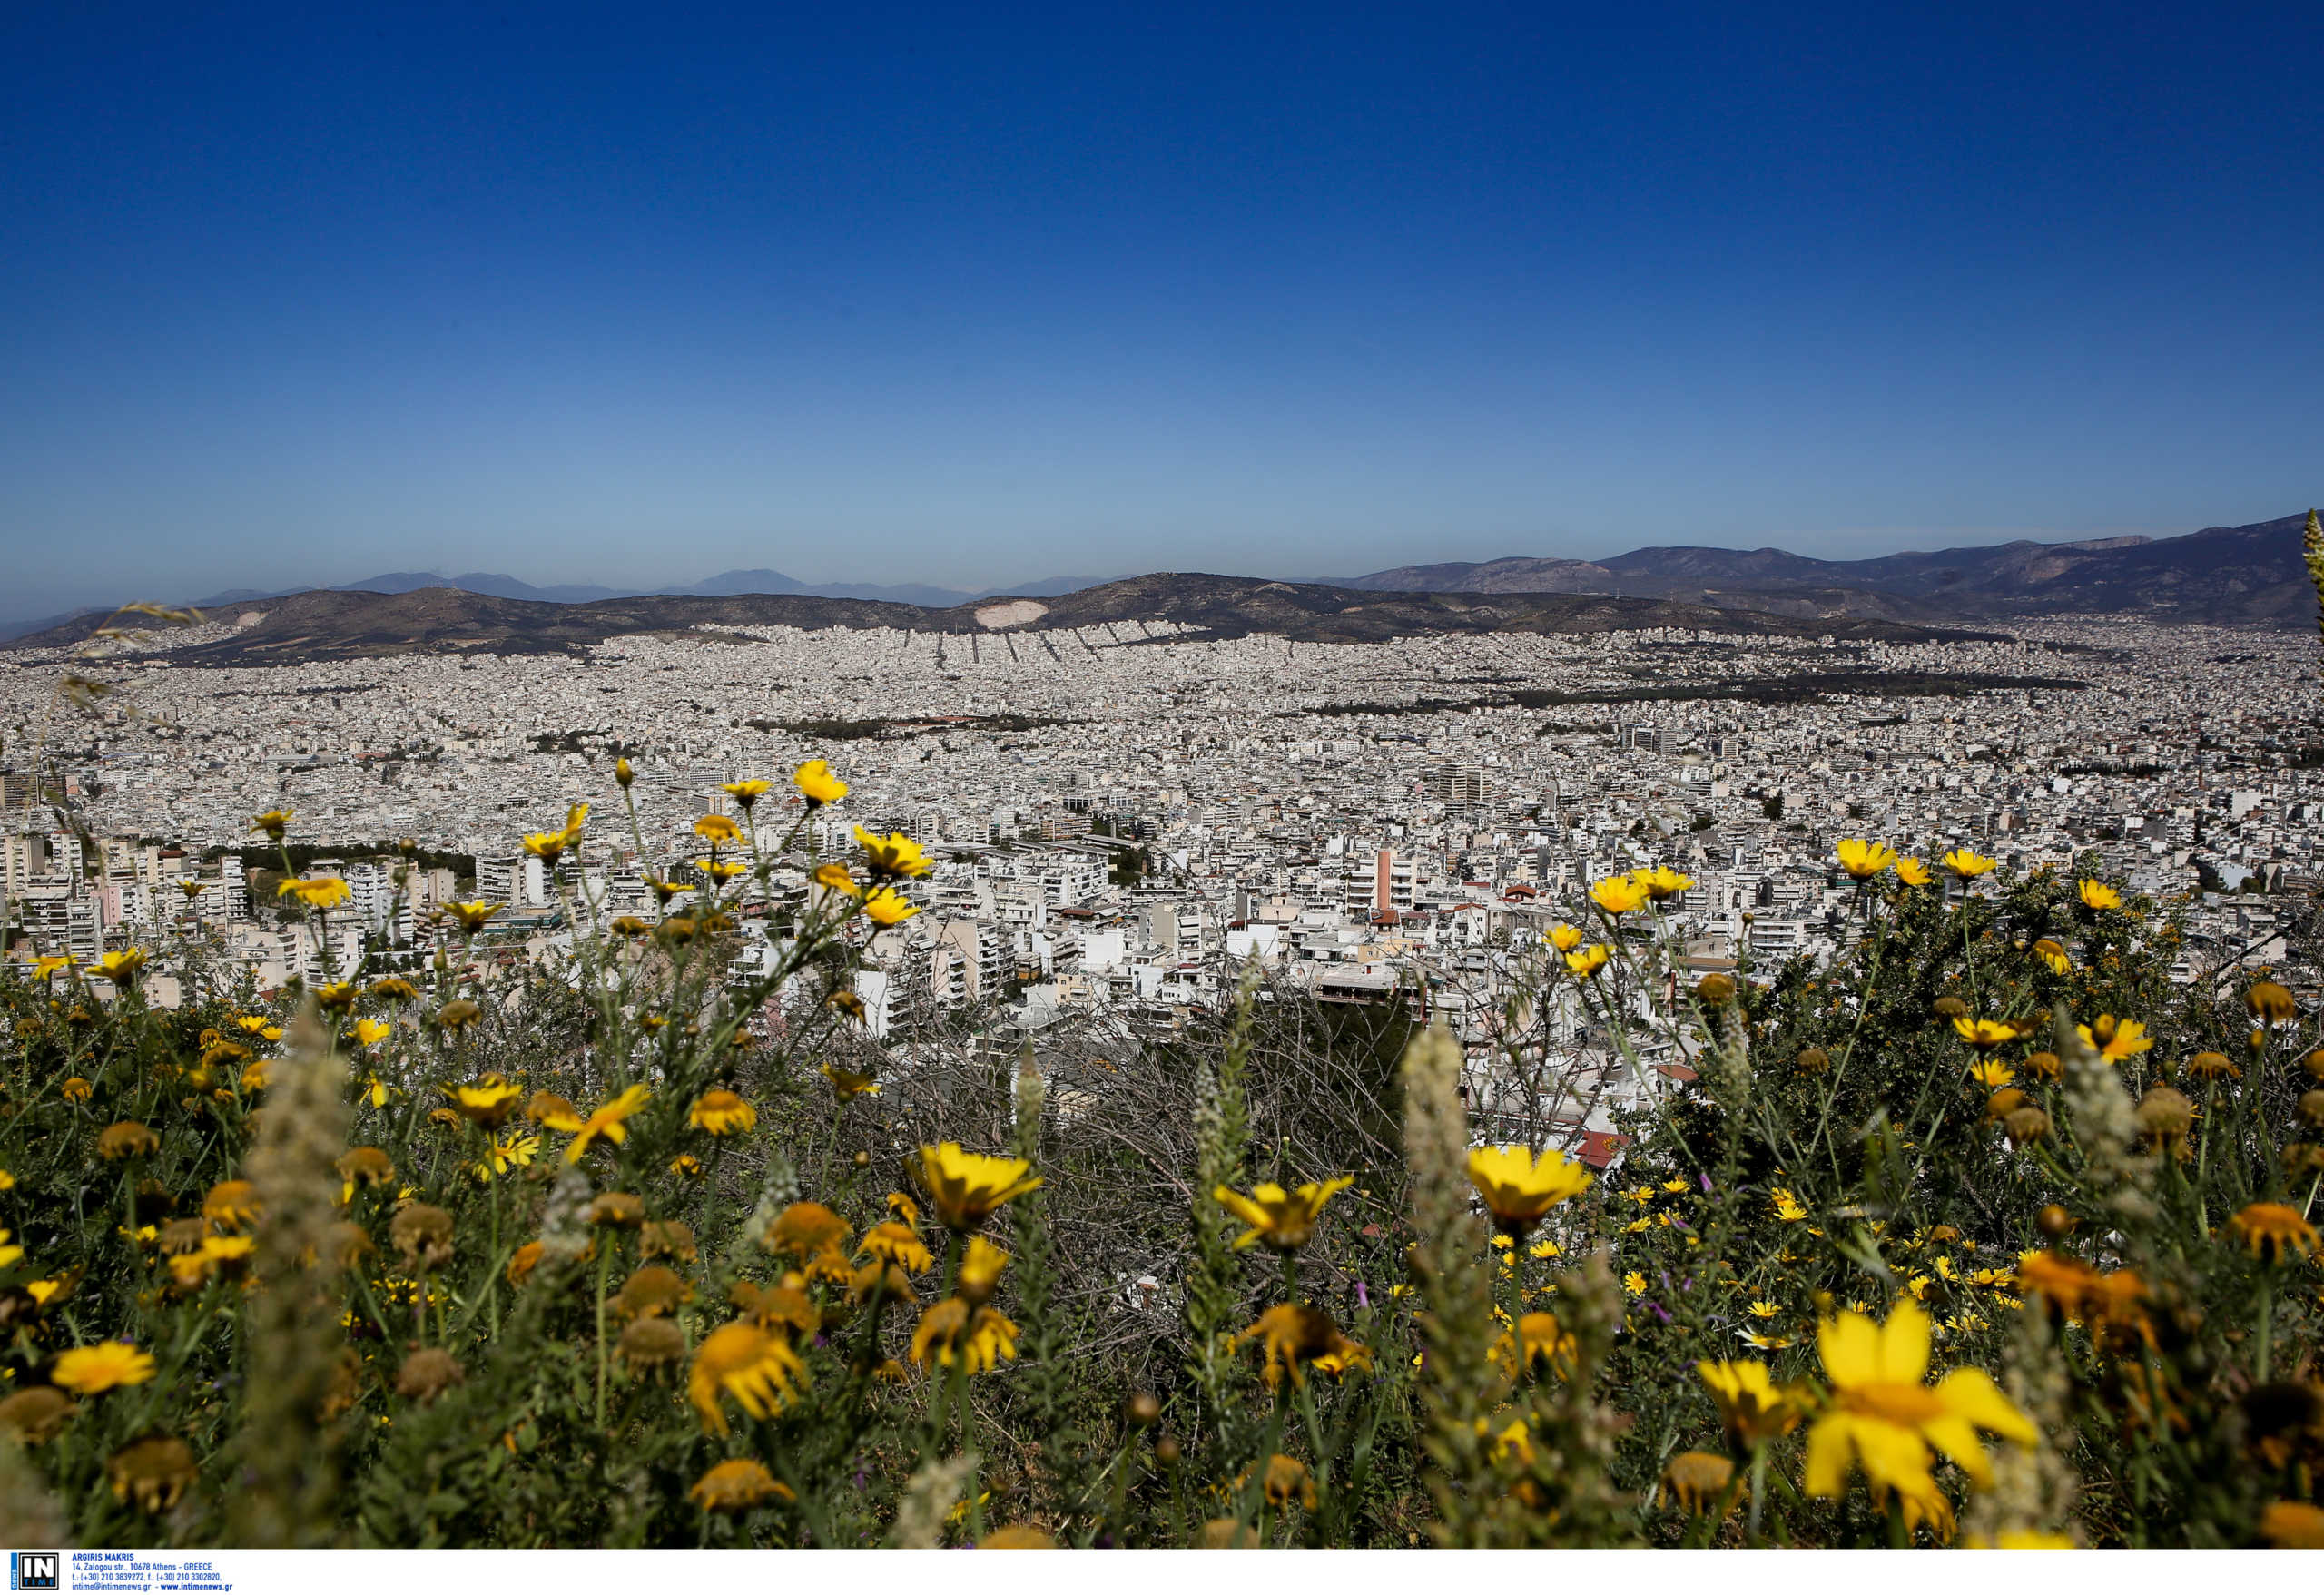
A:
(633, 294)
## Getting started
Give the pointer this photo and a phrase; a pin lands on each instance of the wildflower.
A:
(1540, 1339)
(1698, 1479)
(623, 773)
(348, 1244)
(1886, 1419)
(121, 968)
(650, 1343)
(746, 794)
(522, 1263)
(127, 1139)
(2097, 895)
(337, 996)
(1993, 1075)
(1750, 1406)
(2116, 1040)
(1617, 895)
(428, 1373)
(2026, 1125)
(472, 915)
(619, 1208)
(652, 1291)
(718, 831)
(969, 1187)
(817, 785)
(979, 1273)
(2054, 956)
(606, 1122)
(1967, 864)
(231, 1203)
(1661, 882)
(1588, 961)
(807, 1230)
(274, 823)
(686, 1165)
(1715, 991)
(666, 1237)
(1812, 1060)
(372, 1032)
(548, 846)
(2213, 1066)
(888, 906)
(1283, 1220)
(488, 1103)
(1521, 1188)
(1864, 860)
(91, 1370)
(551, 1111)
(1787, 1205)
(744, 1361)
(895, 857)
(2272, 1230)
(721, 871)
(1290, 1335)
(980, 1339)
(1913, 873)
(847, 1085)
(457, 1015)
(1286, 1481)
(738, 1483)
(2045, 1064)
(2166, 1116)
(1565, 938)
(324, 891)
(1017, 1536)
(898, 1244)
(9, 1253)
(1634, 1283)
(2271, 1003)
(835, 878)
(33, 1415)
(722, 1113)
(1984, 1034)
(154, 1472)
(2292, 1525)
(423, 1234)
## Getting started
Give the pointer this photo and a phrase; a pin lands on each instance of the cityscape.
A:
(1123, 821)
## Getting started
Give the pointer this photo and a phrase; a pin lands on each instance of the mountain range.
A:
(340, 624)
(2246, 575)
(492, 584)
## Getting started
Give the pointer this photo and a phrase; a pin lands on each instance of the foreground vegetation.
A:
(1986, 1233)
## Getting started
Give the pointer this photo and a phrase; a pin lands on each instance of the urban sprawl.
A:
(1122, 819)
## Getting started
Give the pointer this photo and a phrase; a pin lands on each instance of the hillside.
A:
(340, 624)
(2245, 574)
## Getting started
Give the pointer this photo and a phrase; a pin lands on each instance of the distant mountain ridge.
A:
(341, 624)
(2241, 575)
(723, 584)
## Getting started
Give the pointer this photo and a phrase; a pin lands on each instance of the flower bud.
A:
(623, 773)
(2054, 1222)
(1715, 991)
(1142, 1410)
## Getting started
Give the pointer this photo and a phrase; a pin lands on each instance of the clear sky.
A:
(637, 294)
